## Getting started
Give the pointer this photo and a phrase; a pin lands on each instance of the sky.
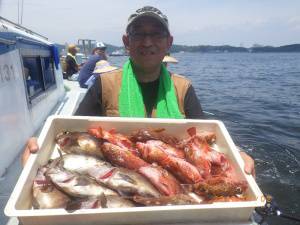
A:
(192, 22)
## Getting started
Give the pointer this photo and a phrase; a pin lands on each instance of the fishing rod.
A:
(271, 208)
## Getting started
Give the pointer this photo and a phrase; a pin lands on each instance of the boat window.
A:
(48, 68)
(33, 71)
(39, 74)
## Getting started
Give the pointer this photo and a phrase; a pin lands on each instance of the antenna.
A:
(18, 11)
(22, 7)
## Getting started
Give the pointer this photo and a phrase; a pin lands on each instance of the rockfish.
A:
(45, 194)
(79, 143)
(124, 181)
(75, 184)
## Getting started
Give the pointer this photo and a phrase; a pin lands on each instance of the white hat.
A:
(100, 45)
(170, 59)
(103, 66)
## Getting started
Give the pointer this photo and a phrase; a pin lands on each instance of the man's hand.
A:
(31, 147)
(249, 163)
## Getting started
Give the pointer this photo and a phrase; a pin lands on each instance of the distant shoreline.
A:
(228, 49)
(293, 48)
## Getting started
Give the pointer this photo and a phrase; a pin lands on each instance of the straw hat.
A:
(170, 59)
(103, 66)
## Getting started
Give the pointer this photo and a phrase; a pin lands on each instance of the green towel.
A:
(131, 102)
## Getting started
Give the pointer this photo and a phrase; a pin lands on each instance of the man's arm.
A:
(192, 106)
(91, 104)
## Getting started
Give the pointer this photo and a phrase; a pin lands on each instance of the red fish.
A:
(121, 156)
(164, 182)
(183, 170)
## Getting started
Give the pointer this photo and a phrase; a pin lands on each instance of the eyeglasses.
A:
(156, 36)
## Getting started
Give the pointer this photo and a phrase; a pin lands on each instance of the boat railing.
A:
(6, 41)
(18, 26)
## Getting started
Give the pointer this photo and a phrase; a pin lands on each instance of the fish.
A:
(84, 165)
(208, 136)
(79, 143)
(113, 137)
(128, 182)
(143, 135)
(45, 194)
(110, 201)
(155, 153)
(122, 156)
(168, 149)
(123, 181)
(76, 185)
(220, 186)
(164, 181)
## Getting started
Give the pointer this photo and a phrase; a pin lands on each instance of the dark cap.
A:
(151, 12)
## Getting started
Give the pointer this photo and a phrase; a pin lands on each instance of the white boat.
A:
(119, 52)
(31, 87)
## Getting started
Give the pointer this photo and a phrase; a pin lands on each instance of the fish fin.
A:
(103, 201)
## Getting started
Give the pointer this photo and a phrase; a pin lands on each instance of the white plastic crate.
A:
(20, 202)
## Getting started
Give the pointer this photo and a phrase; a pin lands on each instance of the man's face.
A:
(73, 51)
(100, 51)
(147, 42)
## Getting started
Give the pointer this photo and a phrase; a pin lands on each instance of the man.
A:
(86, 71)
(71, 64)
(144, 81)
(144, 88)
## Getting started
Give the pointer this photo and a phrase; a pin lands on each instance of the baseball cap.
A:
(100, 45)
(151, 12)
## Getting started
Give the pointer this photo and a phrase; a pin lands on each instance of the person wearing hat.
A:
(169, 59)
(86, 71)
(144, 81)
(101, 67)
(71, 64)
(144, 87)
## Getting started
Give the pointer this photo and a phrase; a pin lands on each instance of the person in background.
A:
(32, 85)
(144, 88)
(169, 59)
(101, 67)
(71, 65)
(86, 71)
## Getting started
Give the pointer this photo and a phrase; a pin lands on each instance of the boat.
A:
(31, 87)
(119, 52)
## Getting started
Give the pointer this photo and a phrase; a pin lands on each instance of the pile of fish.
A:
(106, 169)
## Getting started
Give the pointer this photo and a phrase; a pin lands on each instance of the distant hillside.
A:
(214, 49)
(109, 49)
(207, 48)
(285, 48)
(228, 48)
